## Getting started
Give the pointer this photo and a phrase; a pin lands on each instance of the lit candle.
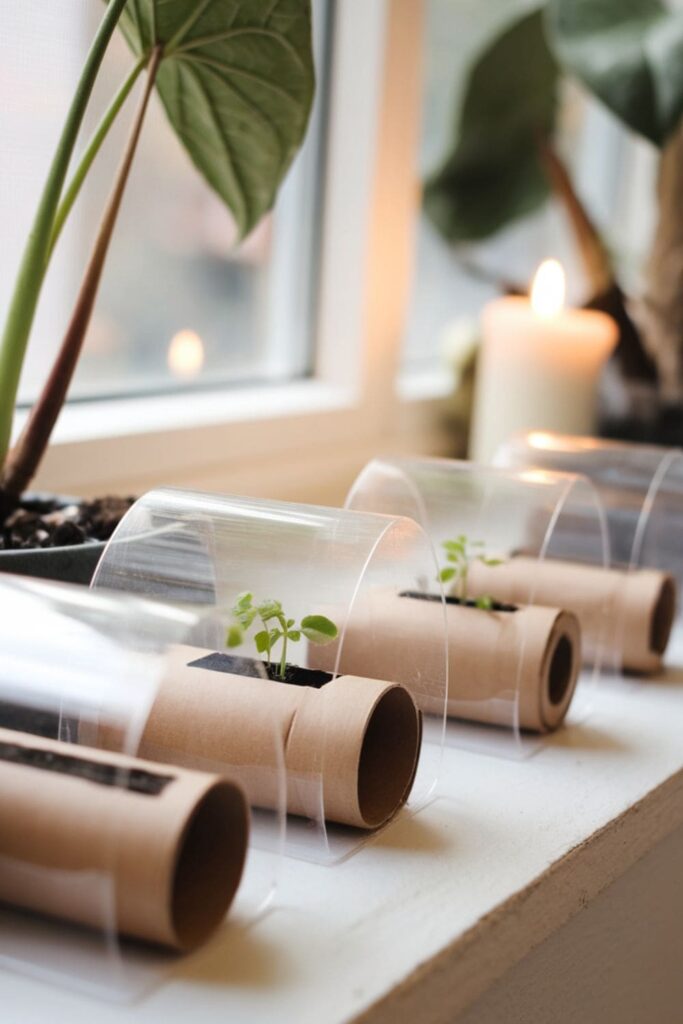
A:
(538, 365)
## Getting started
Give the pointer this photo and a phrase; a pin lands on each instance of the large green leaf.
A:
(237, 82)
(493, 172)
(629, 53)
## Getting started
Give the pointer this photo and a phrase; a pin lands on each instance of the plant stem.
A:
(463, 581)
(33, 265)
(596, 260)
(283, 660)
(24, 458)
(93, 148)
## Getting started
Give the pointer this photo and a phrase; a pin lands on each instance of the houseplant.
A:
(504, 161)
(236, 80)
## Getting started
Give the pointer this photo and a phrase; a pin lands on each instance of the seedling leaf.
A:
(319, 629)
(234, 636)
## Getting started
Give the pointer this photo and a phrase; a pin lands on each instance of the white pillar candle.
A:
(538, 365)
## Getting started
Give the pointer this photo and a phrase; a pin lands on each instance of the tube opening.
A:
(388, 757)
(663, 617)
(210, 864)
(561, 670)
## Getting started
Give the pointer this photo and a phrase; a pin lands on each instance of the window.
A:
(309, 318)
(179, 307)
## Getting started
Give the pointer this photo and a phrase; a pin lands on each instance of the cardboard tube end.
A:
(210, 863)
(389, 755)
(561, 670)
(663, 616)
(563, 661)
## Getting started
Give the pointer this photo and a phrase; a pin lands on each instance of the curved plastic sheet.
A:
(641, 489)
(109, 863)
(515, 660)
(307, 594)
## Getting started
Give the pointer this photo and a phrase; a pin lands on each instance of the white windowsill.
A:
(424, 919)
(126, 417)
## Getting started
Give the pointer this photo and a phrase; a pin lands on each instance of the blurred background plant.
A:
(506, 161)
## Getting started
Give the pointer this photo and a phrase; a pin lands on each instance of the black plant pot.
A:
(73, 564)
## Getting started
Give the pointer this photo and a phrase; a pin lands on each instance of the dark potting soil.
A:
(294, 675)
(49, 523)
(49, 724)
(496, 606)
(136, 780)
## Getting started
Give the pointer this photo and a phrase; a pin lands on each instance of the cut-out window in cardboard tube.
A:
(514, 662)
(302, 595)
(641, 489)
(111, 862)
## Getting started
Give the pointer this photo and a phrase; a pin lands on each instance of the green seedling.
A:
(460, 554)
(276, 626)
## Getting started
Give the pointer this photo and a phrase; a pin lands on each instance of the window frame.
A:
(304, 439)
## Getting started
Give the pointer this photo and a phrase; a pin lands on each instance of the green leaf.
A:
(454, 547)
(234, 636)
(493, 173)
(492, 561)
(629, 53)
(262, 640)
(243, 611)
(319, 629)
(269, 609)
(237, 83)
(294, 635)
(446, 575)
(484, 602)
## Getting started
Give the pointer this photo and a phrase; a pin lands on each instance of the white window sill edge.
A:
(126, 417)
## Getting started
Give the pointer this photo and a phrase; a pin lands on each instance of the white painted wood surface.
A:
(425, 920)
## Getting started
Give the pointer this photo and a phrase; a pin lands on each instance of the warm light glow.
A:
(185, 354)
(548, 288)
(546, 442)
(538, 476)
(561, 442)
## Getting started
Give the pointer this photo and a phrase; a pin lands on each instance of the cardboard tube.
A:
(627, 614)
(491, 655)
(117, 843)
(354, 743)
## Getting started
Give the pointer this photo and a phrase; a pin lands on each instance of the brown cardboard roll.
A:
(357, 738)
(491, 655)
(628, 614)
(80, 828)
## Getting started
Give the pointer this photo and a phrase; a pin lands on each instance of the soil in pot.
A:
(294, 675)
(57, 538)
(51, 522)
(496, 606)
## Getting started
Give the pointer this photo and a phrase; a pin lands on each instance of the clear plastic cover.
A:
(641, 488)
(105, 858)
(306, 595)
(514, 659)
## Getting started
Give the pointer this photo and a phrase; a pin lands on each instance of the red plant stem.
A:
(25, 457)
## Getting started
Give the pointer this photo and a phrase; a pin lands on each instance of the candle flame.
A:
(185, 354)
(548, 288)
